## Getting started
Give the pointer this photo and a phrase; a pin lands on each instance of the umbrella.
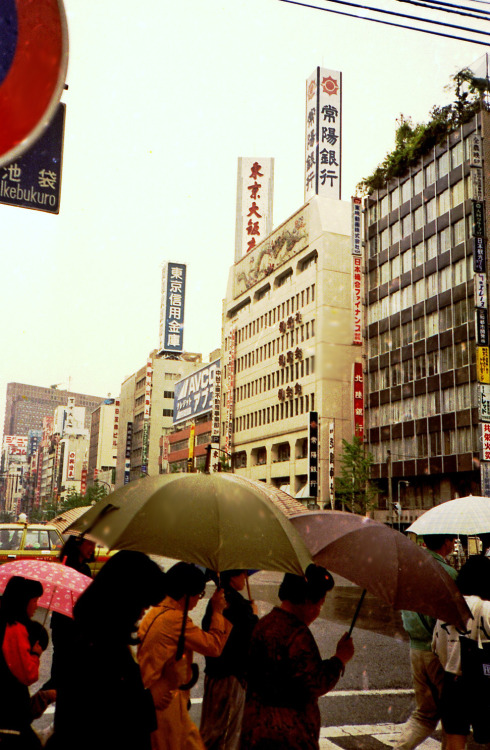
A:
(62, 585)
(219, 521)
(383, 561)
(63, 520)
(465, 515)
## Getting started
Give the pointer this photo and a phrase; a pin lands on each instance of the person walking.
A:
(225, 683)
(465, 659)
(286, 674)
(426, 669)
(19, 663)
(159, 635)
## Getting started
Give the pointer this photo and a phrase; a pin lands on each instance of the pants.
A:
(222, 713)
(427, 677)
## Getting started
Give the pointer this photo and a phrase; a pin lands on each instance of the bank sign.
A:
(194, 394)
(172, 308)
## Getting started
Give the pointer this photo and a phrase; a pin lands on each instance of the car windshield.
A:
(37, 539)
(10, 538)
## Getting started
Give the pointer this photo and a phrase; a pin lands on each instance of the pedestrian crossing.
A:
(367, 737)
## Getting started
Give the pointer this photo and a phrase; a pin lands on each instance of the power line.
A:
(448, 9)
(406, 15)
(386, 23)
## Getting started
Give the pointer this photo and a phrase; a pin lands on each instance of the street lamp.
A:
(398, 506)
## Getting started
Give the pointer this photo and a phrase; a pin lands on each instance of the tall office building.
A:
(427, 363)
(26, 405)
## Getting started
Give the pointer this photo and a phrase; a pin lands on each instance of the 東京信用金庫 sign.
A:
(172, 308)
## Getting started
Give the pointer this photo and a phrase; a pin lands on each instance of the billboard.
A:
(172, 307)
(194, 394)
(313, 454)
(255, 184)
(323, 148)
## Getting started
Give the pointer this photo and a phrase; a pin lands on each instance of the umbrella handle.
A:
(356, 613)
(248, 586)
(49, 605)
(181, 642)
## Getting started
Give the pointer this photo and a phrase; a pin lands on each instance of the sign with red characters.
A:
(358, 401)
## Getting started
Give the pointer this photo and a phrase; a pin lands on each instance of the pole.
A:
(390, 489)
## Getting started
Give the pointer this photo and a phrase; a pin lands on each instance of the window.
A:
(443, 165)
(461, 359)
(457, 155)
(405, 191)
(372, 213)
(460, 310)
(418, 218)
(419, 253)
(459, 272)
(384, 271)
(444, 240)
(445, 279)
(395, 199)
(419, 331)
(407, 370)
(406, 297)
(430, 210)
(406, 260)
(395, 267)
(385, 239)
(443, 202)
(445, 318)
(431, 247)
(418, 182)
(384, 206)
(419, 291)
(430, 174)
(407, 334)
(373, 246)
(406, 225)
(447, 359)
(432, 285)
(432, 324)
(459, 232)
(395, 232)
(457, 193)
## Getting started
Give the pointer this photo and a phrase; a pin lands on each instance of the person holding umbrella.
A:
(286, 674)
(225, 680)
(163, 629)
(427, 672)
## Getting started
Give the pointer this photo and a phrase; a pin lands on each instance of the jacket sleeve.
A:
(16, 649)
(313, 675)
(208, 643)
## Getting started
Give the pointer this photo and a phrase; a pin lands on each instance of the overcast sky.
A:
(163, 98)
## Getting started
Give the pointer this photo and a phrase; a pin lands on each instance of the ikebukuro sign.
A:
(323, 148)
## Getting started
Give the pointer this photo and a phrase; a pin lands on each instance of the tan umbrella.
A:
(219, 521)
(383, 561)
(63, 520)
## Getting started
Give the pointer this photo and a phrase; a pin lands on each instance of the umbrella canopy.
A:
(62, 585)
(465, 515)
(219, 521)
(63, 520)
(382, 561)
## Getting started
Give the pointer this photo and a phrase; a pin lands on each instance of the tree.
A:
(354, 487)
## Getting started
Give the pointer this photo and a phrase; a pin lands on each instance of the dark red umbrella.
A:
(383, 561)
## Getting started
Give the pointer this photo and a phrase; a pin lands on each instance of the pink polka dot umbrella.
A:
(62, 585)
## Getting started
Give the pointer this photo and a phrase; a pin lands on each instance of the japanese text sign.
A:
(323, 148)
(356, 226)
(482, 364)
(313, 454)
(254, 203)
(481, 290)
(194, 394)
(485, 439)
(484, 402)
(172, 307)
(358, 401)
(357, 299)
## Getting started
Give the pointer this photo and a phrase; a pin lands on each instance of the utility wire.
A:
(386, 23)
(449, 9)
(406, 15)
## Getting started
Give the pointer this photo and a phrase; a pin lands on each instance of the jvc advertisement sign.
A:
(194, 394)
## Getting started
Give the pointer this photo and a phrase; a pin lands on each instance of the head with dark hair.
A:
(474, 577)
(77, 550)
(126, 585)
(436, 542)
(184, 579)
(227, 575)
(312, 587)
(18, 594)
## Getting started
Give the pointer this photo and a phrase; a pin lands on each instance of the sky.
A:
(163, 98)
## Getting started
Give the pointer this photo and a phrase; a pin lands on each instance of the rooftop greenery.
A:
(413, 141)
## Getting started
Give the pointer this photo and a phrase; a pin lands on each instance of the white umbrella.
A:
(465, 515)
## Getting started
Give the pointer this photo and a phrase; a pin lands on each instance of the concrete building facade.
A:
(288, 348)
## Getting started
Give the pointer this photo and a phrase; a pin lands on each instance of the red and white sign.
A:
(358, 401)
(485, 432)
(357, 299)
(16, 444)
(115, 431)
(254, 203)
(148, 389)
(70, 474)
(231, 385)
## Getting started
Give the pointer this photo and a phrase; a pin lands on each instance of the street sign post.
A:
(33, 66)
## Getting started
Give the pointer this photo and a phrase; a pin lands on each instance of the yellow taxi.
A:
(35, 541)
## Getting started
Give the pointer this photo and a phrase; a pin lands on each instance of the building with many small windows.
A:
(288, 350)
(426, 327)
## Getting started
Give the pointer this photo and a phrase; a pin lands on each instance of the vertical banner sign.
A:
(115, 432)
(482, 364)
(485, 479)
(144, 451)
(479, 255)
(172, 308)
(127, 455)
(357, 299)
(255, 186)
(358, 401)
(476, 153)
(313, 454)
(83, 483)
(481, 326)
(485, 439)
(149, 371)
(192, 443)
(356, 226)
(484, 402)
(481, 290)
(476, 181)
(323, 148)
(231, 385)
(216, 414)
(478, 216)
(70, 474)
(331, 464)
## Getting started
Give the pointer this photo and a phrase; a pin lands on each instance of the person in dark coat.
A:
(286, 674)
(101, 701)
(224, 682)
(76, 553)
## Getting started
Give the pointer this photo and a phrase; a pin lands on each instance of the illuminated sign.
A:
(254, 203)
(323, 151)
(194, 394)
(357, 299)
(172, 307)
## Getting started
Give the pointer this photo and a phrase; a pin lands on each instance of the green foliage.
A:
(354, 487)
(413, 141)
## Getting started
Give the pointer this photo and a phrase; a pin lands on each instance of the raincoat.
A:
(159, 634)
